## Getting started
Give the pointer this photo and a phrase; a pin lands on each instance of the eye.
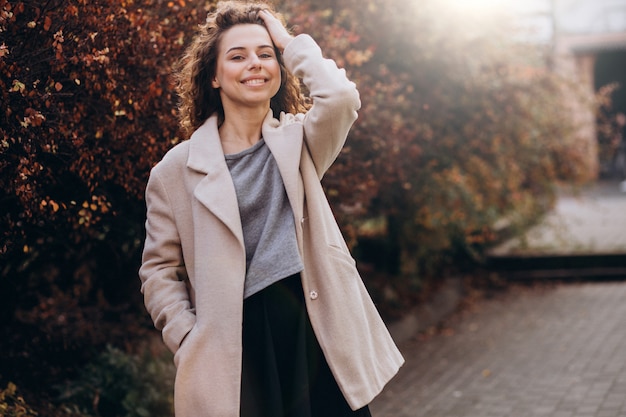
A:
(266, 53)
(237, 57)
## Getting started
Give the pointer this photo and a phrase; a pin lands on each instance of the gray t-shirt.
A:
(269, 231)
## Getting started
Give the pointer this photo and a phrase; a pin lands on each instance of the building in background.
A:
(587, 40)
(592, 35)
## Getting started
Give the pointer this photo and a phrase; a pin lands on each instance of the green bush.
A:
(117, 384)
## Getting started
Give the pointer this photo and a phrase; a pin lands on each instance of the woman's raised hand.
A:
(279, 34)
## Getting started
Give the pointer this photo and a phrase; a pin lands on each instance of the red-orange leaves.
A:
(85, 94)
(47, 23)
(32, 117)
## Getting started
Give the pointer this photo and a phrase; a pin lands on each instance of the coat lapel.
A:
(216, 190)
(285, 143)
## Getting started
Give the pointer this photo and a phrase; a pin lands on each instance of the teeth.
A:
(254, 82)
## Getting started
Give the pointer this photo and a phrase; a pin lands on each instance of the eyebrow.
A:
(238, 48)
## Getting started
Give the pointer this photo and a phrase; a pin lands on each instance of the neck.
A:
(241, 131)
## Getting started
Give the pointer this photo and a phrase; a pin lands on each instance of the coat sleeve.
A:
(335, 100)
(163, 273)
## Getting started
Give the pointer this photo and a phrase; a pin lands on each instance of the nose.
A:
(255, 61)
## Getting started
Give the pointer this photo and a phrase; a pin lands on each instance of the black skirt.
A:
(284, 370)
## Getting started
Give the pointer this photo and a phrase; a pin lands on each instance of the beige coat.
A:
(194, 262)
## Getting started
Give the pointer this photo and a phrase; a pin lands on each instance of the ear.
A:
(215, 83)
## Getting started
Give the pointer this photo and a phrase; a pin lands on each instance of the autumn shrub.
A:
(86, 108)
(462, 126)
(12, 404)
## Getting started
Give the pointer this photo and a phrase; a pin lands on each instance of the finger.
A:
(278, 32)
(265, 15)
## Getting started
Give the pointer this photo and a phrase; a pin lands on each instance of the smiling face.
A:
(247, 72)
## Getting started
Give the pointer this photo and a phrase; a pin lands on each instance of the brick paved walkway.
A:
(550, 350)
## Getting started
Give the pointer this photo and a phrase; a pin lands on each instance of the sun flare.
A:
(477, 6)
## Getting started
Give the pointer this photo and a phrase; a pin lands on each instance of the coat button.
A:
(313, 295)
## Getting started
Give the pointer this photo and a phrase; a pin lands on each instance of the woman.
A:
(244, 269)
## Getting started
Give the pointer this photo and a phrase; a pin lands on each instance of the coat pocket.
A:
(340, 254)
(184, 345)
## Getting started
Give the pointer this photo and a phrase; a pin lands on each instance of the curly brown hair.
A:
(198, 99)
